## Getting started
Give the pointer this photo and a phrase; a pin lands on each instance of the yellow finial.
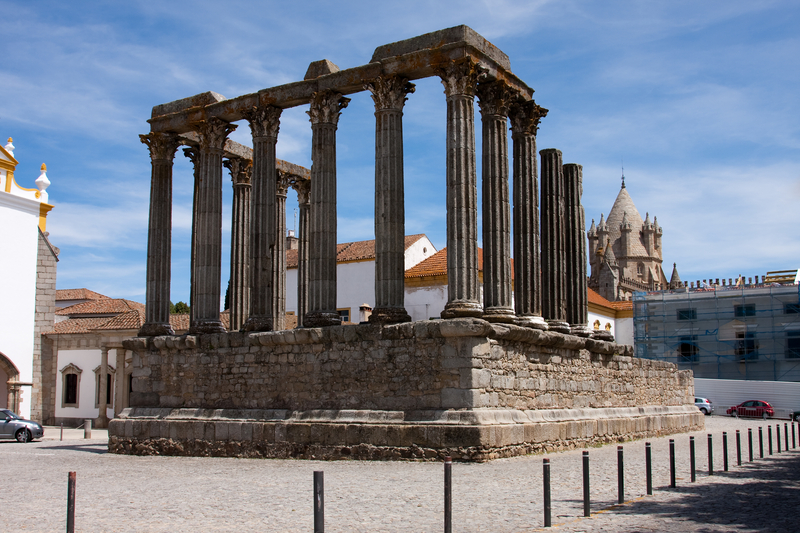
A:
(9, 139)
(44, 167)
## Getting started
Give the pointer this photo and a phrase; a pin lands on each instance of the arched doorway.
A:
(8, 394)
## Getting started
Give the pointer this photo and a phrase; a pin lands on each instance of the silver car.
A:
(13, 426)
(705, 405)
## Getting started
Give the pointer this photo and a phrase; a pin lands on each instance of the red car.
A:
(752, 408)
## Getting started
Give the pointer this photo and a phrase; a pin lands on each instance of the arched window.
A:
(70, 385)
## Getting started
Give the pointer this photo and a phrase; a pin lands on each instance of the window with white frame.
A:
(109, 386)
(70, 385)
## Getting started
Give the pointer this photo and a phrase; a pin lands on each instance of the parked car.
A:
(796, 416)
(756, 408)
(705, 405)
(13, 426)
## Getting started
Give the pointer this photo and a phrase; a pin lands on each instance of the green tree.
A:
(180, 308)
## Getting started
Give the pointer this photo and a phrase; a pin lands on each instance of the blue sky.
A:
(700, 99)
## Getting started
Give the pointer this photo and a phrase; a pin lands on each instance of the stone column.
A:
(495, 98)
(525, 119)
(279, 258)
(264, 124)
(159, 235)
(191, 154)
(119, 382)
(389, 94)
(554, 278)
(303, 189)
(208, 226)
(325, 109)
(102, 419)
(239, 294)
(575, 245)
(463, 293)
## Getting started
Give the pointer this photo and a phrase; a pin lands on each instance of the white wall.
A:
(419, 251)
(355, 285)
(86, 360)
(423, 303)
(624, 330)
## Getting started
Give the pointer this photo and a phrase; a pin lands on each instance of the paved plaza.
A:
(173, 494)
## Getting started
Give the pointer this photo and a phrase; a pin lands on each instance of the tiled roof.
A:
(436, 265)
(624, 305)
(77, 325)
(353, 251)
(130, 320)
(106, 306)
(595, 298)
(78, 294)
(624, 205)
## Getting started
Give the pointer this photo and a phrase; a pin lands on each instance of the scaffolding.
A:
(749, 332)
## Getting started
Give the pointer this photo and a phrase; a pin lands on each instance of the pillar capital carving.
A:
(213, 133)
(495, 98)
(283, 183)
(241, 170)
(460, 78)
(162, 146)
(264, 120)
(303, 190)
(389, 92)
(191, 154)
(525, 118)
(326, 106)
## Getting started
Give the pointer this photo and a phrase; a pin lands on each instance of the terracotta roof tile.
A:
(130, 320)
(78, 294)
(436, 265)
(595, 298)
(106, 306)
(623, 305)
(353, 251)
(77, 325)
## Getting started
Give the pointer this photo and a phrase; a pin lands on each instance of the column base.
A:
(558, 326)
(389, 315)
(154, 329)
(201, 327)
(503, 315)
(602, 335)
(531, 321)
(580, 330)
(257, 323)
(321, 319)
(459, 309)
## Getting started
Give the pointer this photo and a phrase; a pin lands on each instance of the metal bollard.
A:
(725, 451)
(586, 509)
(546, 480)
(760, 442)
(778, 436)
(71, 502)
(738, 449)
(319, 502)
(87, 428)
(750, 442)
(672, 463)
(620, 475)
(691, 457)
(769, 438)
(448, 494)
(648, 465)
(786, 435)
(794, 445)
(710, 456)
(62, 431)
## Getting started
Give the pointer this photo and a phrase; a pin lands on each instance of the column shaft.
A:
(264, 124)
(192, 154)
(119, 381)
(303, 199)
(239, 292)
(159, 236)
(553, 246)
(279, 259)
(527, 259)
(102, 394)
(389, 94)
(463, 291)
(208, 231)
(575, 245)
(495, 99)
(324, 112)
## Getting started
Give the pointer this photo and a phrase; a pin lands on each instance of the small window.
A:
(344, 314)
(746, 346)
(793, 345)
(687, 350)
(791, 309)
(109, 386)
(687, 314)
(744, 310)
(70, 385)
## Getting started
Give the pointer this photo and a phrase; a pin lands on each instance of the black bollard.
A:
(71, 502)
(769, 438)
(738, 449)
(750, 442)
(448, 494)
(620, 475)
(62, 431)
(648, 465)
(794, 445)
(724, 451)
(546, 479)
(778, 436)
(710, 456)
(691, 457)
(760, 442)
(672, 463)
(586, 510)
(786, 435)
(319, 502)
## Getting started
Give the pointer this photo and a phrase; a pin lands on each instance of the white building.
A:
(28, 278)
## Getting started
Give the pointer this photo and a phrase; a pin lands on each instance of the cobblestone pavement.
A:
(169, 494)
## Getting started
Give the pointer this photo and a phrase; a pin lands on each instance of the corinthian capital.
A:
(303, 189)
(240, 168)
(495, 98)
(525, 118)
(264, 120)
(326, 106)
(162, 145)
(213, 133)
(461, 77)
(191, 154)
(389, 92)
(283, 183)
